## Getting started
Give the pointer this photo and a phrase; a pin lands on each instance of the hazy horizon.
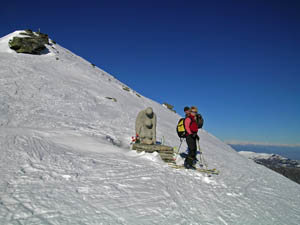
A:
(291, 152)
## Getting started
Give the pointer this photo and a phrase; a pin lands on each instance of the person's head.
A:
(194, 110)
(186, 110)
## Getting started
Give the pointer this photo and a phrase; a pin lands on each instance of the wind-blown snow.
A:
(65, 156)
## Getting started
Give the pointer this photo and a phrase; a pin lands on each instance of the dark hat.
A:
(186, 108)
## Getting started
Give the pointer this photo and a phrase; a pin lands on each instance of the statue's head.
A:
(149, 112)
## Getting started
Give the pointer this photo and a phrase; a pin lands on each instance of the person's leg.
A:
(191, 142)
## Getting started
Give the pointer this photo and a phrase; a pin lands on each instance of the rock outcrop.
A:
(170, 107)
(32, 43)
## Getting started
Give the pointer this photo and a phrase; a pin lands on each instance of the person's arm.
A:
(187, 123)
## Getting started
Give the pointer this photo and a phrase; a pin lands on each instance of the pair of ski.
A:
(202, 162)
(202, 170)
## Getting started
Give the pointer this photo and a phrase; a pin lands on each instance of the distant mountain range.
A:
(287, 167)
(288, 151)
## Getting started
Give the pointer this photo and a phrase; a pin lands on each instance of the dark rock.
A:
(110, 98)
(33, 44)
(28, 31)
(169, 107)
(126, 88)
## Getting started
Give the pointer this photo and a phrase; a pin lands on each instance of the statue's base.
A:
(166, 152)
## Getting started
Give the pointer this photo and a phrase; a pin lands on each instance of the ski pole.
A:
(179, 146)
(202, 160)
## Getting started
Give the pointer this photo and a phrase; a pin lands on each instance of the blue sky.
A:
(238, 61)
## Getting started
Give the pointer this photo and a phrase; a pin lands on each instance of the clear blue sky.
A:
(238, 61)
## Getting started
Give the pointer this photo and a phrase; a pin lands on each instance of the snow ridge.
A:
(65, 156)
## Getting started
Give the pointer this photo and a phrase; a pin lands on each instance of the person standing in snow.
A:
(191, 127)
(187, 112)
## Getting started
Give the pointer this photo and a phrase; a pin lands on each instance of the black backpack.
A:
(199, 120)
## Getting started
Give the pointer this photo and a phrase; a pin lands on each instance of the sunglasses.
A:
(193, 112)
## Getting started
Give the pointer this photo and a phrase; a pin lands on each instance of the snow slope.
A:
(65, 156)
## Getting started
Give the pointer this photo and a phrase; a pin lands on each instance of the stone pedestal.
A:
(165, 152)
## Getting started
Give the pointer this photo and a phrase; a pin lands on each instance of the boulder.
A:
(34, 43)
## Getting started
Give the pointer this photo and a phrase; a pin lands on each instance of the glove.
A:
(195, 136)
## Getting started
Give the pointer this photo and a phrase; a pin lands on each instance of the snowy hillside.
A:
(65, 156)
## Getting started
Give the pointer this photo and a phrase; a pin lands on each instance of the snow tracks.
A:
(65, 177)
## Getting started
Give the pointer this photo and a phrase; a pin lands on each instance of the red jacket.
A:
(191, 125)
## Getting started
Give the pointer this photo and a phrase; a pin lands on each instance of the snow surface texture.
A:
(65, 156)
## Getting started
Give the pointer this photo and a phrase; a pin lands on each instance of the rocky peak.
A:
(30, 42)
